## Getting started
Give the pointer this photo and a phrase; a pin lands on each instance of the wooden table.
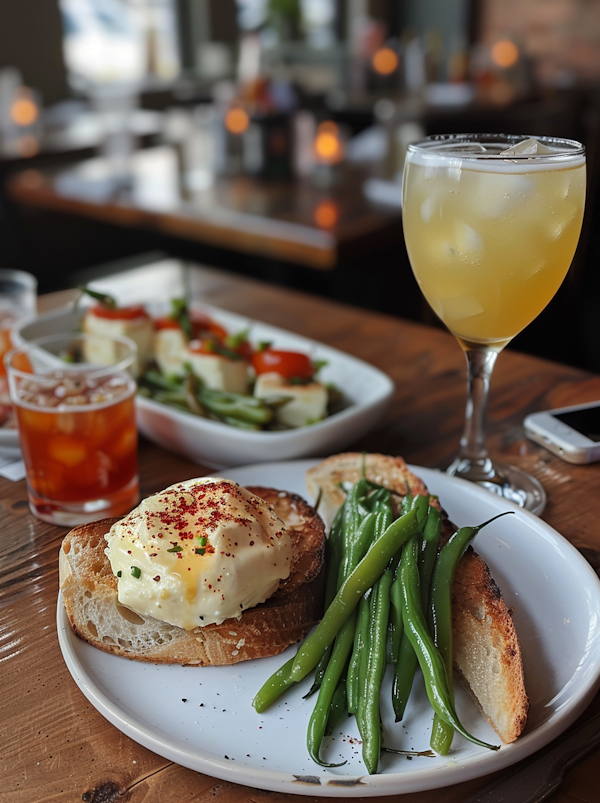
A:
(293, 221)
(54, 746)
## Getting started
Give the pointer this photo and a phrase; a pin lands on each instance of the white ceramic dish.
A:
(368, 390)
(203, 718)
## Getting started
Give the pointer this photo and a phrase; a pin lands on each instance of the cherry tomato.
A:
(119, 313)
(290, 364)
(166, 322)
(202, 324)
(244, 349)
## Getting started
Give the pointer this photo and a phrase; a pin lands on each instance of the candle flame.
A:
(326, 214)
(328, 144)
(237, 120)
(24, 110)
(505, 53)
(385, 61)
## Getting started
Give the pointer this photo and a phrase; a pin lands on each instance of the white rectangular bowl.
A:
(367, 390)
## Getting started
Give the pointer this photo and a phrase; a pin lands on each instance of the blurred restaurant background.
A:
(267, 137)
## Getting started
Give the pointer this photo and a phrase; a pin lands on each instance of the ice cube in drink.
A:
(527, 147)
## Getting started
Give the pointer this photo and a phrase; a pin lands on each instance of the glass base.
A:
(70, 514)
(509, 482)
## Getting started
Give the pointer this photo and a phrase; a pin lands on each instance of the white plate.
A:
(202, 718)
(368, 390)
(9, 443)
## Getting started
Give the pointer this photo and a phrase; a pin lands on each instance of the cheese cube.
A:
(219, 372)
(140, 330)
(170, 351)
(308, 403)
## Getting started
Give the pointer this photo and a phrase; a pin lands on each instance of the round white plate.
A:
(202, 718)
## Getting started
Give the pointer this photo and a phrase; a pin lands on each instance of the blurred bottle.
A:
(20, 114)
(257, 136)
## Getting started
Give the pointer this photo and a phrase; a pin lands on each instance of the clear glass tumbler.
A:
(74, 402)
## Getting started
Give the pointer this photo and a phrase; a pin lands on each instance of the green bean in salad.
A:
(189, 394)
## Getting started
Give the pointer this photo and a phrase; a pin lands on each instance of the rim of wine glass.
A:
(568, 147)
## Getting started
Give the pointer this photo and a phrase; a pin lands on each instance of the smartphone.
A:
(572, 433)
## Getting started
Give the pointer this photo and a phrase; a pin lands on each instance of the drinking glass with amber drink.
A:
(74, 402)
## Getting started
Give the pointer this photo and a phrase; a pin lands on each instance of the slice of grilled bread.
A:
(486, 649)
(89, 591)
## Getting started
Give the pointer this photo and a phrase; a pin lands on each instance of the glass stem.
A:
(473, 462)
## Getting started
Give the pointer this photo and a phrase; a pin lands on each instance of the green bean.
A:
(430, 660)
(406, 660)
(338, 662)
(346, 544)
(280, 681)
(383, 511)
(176, 397)
(348, 596)
(333, 556)
(237, 422)
(274, 687)
(429, 550)
(356, 670)
(356, 546)
(441, 620)
(396, 624)
(158, 380)
(406, 663)
(338, 710)
(236, 406)
(369, 712)
(355, 536)
(404, 673)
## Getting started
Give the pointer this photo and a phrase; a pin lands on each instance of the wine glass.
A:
(491, 224)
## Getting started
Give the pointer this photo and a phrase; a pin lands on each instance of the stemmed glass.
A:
(491, 224)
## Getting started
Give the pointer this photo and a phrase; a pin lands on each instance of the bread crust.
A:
(487, 655)
(89, 591)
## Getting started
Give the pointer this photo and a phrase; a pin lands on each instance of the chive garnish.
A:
(136, 572)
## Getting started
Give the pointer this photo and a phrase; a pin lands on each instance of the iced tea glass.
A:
(74, 402)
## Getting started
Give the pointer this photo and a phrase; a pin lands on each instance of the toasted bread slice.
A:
(486, 649)
(326, 478)
(89, 591)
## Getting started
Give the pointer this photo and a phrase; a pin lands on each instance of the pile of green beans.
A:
(388, 600)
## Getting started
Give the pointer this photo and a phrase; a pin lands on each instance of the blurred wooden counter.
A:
(54, 746)
(295, 221)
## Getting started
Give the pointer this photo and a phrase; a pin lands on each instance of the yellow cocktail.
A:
(490, 242)
(491, 224)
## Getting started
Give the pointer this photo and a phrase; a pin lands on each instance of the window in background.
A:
(120, 41)
(316, 17)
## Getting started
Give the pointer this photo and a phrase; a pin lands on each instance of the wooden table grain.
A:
(54, 746)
